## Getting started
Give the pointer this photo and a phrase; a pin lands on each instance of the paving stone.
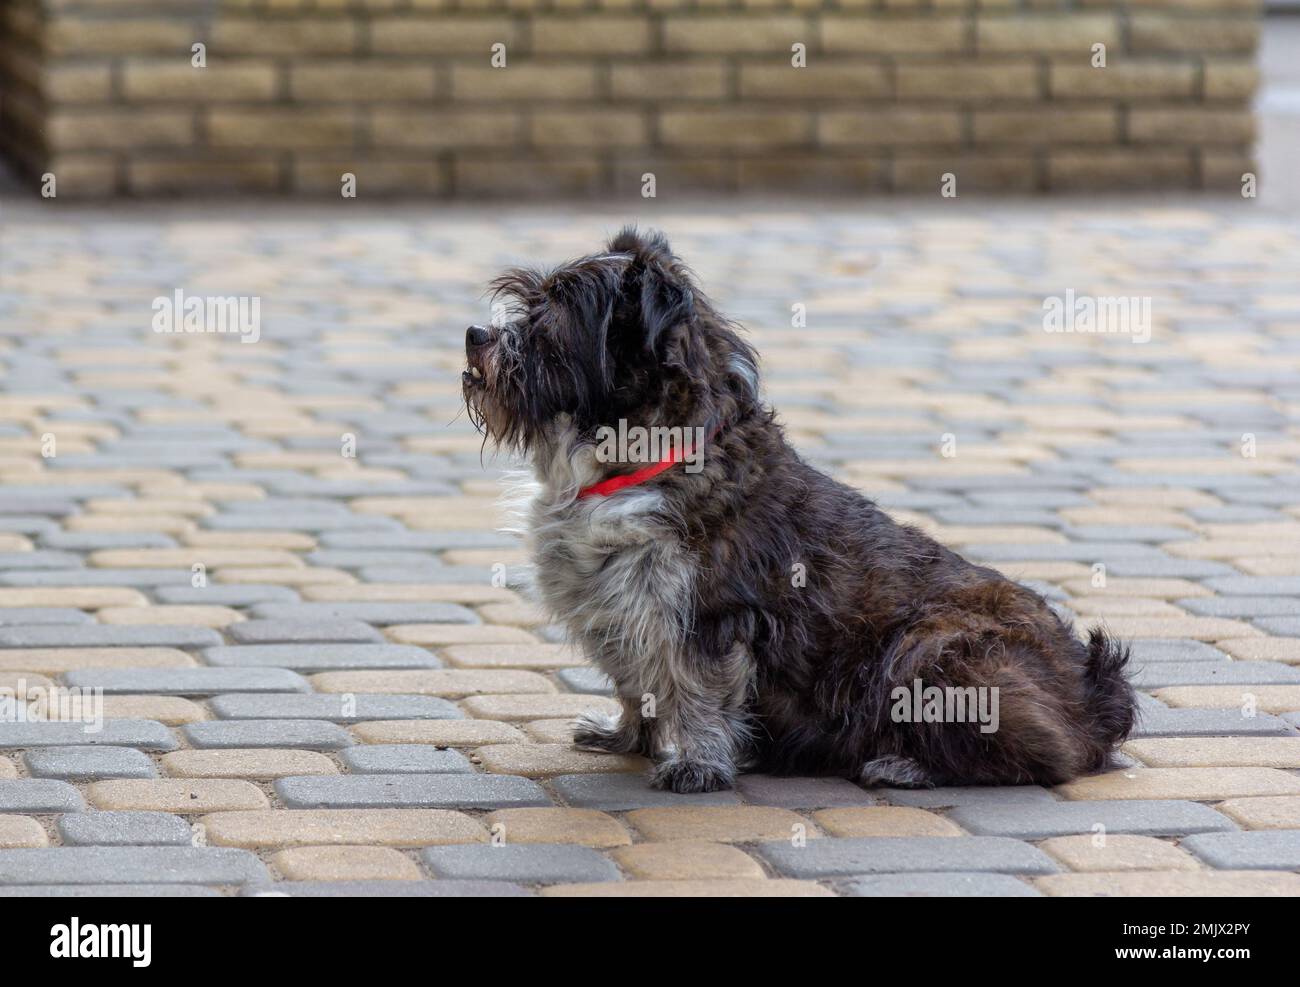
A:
(941, 885)
(691, 889)
(546, 760)
(345, 863)
(685, 860)
(189, 681)
(259, 764)
(1111, 852)
(21, 831)
(143, 734)
(268, 733)
(89, 762)
(942, 798)
(820, 859)
(449, 733)
(321, 657)
(105, 636)
(1266, 812)
(43, 615)
(1275, 849)
(225, 596)
(802, 793)
(108, 891)
(380, 614)
(449, 683)
(1180, 752)
(388, 889)
(617, 792)
(584, 827)
(404, 759)
(587, 680)
(1188, 783)
(1176, 650)
(302, 632)
(1138, 817)
(124, 829)
(312, 827)
(411, 790)
(1161, 722)
(1282, 649)
(1173, 884)
(184, 796)
(130, 865)
(54, 661)
(442, 635)
(339, 708)
(536, 863)
(884, 820)
(1243, 698)
(534, 707)
(719, 824)
(536, 656)
(39, 795)
(1158, 675)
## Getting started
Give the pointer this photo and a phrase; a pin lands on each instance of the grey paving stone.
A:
(834, 857)
(187, 681)
(106, 636)
(108, 891)
(311, 734)
(302, 632)
(1173, 649)
(321, 657)
(43, 615)
(404, 759)
(1156, 721)
(1254, 586)
(218, 595)
(148, 735)
(89, 763)
(1164, 567)
(387, 889)
(39, 560)
(1281, 626)
(96, 577)
(39, 795)
(435, 541)
(93, 541)
(949, 885)
(340, 558)
(1157, 675)
(1138, 817)
(1287, 608)
(1127, 532)
(1089, 552)
(130, 865)
(439, 575)
(124, 829)
(942, 798)
(617, 792)
(531, 863)
(338, 707)
(586, 679)
(1270, 849)
(379, 614)
(803, 793)
(477, 791)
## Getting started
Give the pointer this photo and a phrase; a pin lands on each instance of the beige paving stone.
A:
(437, 635)
(289, 540)
(1116, 606)
(1115, 852)
(733, 888)
(345, 863)
(484, 556)
(1196, 784)
(13, 683)
(1266, 812)
(884, 820)
(449, 683)
(171, 616)
(471, 593)
(14, 543)
(7, 769)
(1172, 884)
(185, 558)
(548, 760)
(584, 827)
(21, 831)
(1214, 752)
(534, 707)
(176, 795)
(279, 828)
(1233, 548)
(1129, 588)
(1161, 496)
(452, 733)
(1125, 515)
(1283, 649)
(184, 507)
(1048, 571)
(550, 731)
(170, 710)
(533, 655)
(686, 860)
(55, 661)
(1248, 698)
(720, 824)
(78, 597)
(242, 575)
(255, 763)
(1196, 628)
(1280, 565)
(514, 614)
(171, 524)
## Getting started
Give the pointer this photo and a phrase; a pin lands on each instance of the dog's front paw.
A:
(601, 732)
(685, 776)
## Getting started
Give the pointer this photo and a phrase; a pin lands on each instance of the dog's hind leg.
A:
(895, 771)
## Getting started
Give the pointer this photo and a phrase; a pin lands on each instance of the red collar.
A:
(616, 483)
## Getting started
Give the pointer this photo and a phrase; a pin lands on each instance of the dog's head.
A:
(624, 334)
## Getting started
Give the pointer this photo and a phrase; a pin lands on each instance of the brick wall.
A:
(595, 94)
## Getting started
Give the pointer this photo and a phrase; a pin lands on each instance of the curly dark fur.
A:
(682, 588)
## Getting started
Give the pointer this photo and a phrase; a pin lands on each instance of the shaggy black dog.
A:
(751, 611)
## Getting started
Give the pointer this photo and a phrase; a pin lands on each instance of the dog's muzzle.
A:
(477, 340)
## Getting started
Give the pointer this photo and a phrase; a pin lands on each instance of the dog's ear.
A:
(655, 294)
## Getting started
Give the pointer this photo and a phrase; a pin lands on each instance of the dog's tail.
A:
(1111, 702)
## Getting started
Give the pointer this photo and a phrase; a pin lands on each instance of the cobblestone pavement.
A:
(343, 697)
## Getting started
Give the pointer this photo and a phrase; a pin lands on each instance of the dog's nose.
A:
(476, 336)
